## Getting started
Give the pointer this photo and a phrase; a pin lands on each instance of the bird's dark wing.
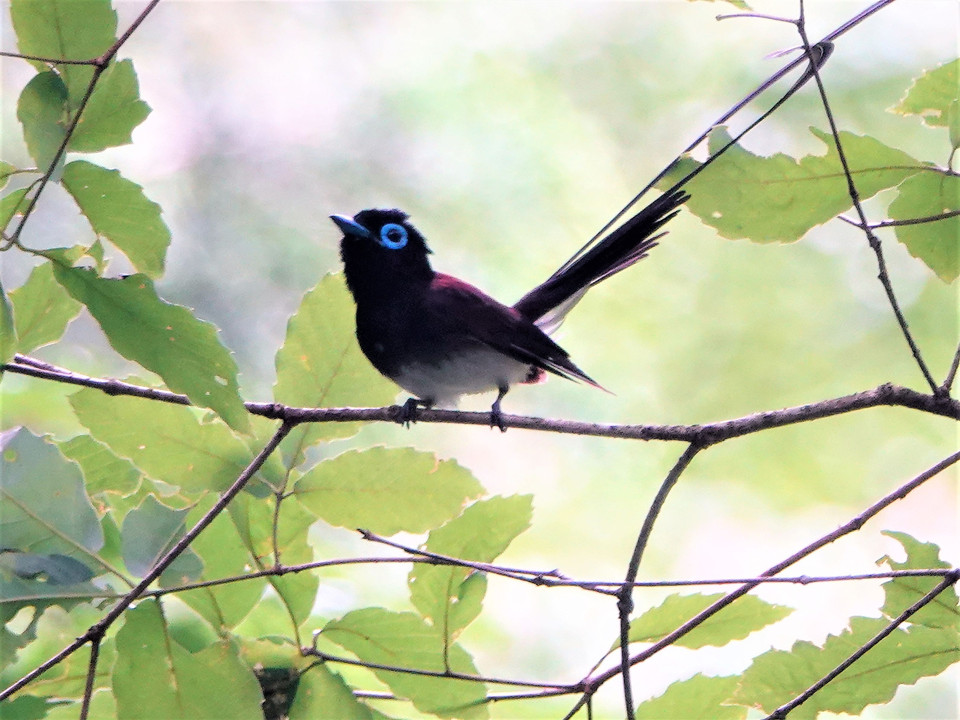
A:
(499, 327)
(548, 302)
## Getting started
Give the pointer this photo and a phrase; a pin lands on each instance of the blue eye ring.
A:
(393, 236)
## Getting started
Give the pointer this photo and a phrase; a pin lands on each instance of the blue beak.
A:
(350, 227)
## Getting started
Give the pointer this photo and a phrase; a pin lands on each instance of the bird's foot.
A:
(409, 411)
(496, 416)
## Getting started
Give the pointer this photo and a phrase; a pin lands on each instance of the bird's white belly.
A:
(476, 371)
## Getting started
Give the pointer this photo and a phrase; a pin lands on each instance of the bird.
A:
(439, 337)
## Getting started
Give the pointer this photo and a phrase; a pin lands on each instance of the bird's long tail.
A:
(549, 302)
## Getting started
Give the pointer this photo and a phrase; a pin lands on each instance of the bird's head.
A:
(381, 246)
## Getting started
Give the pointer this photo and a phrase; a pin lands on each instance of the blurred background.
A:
(511, 132)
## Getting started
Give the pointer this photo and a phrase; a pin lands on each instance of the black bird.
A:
(439, 337)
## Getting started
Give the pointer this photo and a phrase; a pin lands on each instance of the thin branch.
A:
(450, 674)
(91, 676)
(899, 223)
(625, 596)
(951, 374)
(781, 712)
(872, 239)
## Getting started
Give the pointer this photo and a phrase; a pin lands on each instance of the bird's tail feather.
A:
(549, 302)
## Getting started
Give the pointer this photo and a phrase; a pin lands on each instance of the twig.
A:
(872, 239)
(625, 597)
(450, 674)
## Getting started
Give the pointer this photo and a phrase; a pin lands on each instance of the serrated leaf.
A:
(324, 694)
(450, 597)
(321, 365)
(937, 243)
(697, 698)
(735, 622)
(778, 198)
(149, 531)
(387, 490)
(933, 95)
(65, 29)
(113, 111)
(165, 441)
(118, 210)
(164, 338)
(405, 640)
(42, 111)
(154, 677)
(42, 309)
(103, 471)
(902, 658)
(901, 593)
(8, 332)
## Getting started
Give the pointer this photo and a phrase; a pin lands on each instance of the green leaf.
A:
(119, 211)
(12, 205)
(102, 470)
(42, 110)
(42, 309)
(148, 533)
(164, 338)
(321, 365)
(901, 593)
(405, 640)
(45, 508)
(6, 170)
(902, 658)
(777, 198)
(324, 694)
(8, 331)
(933, 95)
(697, 698)
(387, 490)
(43, 512)
(113, 111)
(937, 244)
(67, 29)
(154, 677)
(165, 441)
(450, 597)
(735, 622)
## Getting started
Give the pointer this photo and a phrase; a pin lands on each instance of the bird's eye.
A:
(393, 236)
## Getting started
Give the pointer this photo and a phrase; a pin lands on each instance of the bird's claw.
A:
(409, 411)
